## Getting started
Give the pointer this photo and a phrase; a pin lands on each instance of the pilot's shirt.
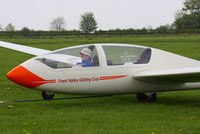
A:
(85, 64)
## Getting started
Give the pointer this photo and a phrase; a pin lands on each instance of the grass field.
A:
(172, 113)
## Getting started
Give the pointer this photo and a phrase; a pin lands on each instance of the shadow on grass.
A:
(115, 100)
(186, 101)
(127, 100)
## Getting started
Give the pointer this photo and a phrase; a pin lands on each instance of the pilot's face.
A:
(85, 57)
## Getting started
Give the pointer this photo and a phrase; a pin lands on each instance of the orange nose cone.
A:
(24, 77)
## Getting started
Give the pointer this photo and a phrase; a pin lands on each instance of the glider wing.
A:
(191, 74)
(25, 49)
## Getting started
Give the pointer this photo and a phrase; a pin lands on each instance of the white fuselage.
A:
(99, 80)
(104, 79)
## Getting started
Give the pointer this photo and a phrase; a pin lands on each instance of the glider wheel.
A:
(148, 97)
(47, 95)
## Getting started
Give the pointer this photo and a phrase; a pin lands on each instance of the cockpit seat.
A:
(109, 62)
(144, 57)
(95, 60)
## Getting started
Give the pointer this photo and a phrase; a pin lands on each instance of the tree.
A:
(187, 22)
(88, 23)
(1, 27)
(25, 31)
(179, 14)
(188, 17)
(149, 28)
(192, 7)
(58, 24)
(10, 27)
(164, 28)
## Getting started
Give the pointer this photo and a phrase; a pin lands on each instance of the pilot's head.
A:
(86, 54)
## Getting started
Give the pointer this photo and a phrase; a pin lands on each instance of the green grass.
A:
(173, 113)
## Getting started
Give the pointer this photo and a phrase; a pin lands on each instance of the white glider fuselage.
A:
(109, 79)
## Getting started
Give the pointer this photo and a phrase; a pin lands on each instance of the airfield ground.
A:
(172, 113)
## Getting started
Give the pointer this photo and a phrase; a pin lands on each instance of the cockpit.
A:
(120, 55)
(111, 54)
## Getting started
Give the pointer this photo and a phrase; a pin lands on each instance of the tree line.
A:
(88, 25)
(187, 20)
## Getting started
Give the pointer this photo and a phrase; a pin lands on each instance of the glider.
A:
(116, 69)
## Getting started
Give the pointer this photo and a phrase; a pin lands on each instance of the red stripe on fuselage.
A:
(112, 77)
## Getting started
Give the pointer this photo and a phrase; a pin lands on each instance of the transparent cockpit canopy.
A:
(119, 55)
(54, 63)
(69, 57)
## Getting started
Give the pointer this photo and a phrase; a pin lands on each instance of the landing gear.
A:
(148, 97)
(47, 95)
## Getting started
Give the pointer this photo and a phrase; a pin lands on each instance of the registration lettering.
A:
(90, 79)
(80, 80)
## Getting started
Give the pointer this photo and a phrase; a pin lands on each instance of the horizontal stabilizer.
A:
(25, 49)
(191, 74)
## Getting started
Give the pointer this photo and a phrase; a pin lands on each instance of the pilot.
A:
(86, 55)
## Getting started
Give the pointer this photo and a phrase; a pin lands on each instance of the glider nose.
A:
(24, 77)
(19, 75)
